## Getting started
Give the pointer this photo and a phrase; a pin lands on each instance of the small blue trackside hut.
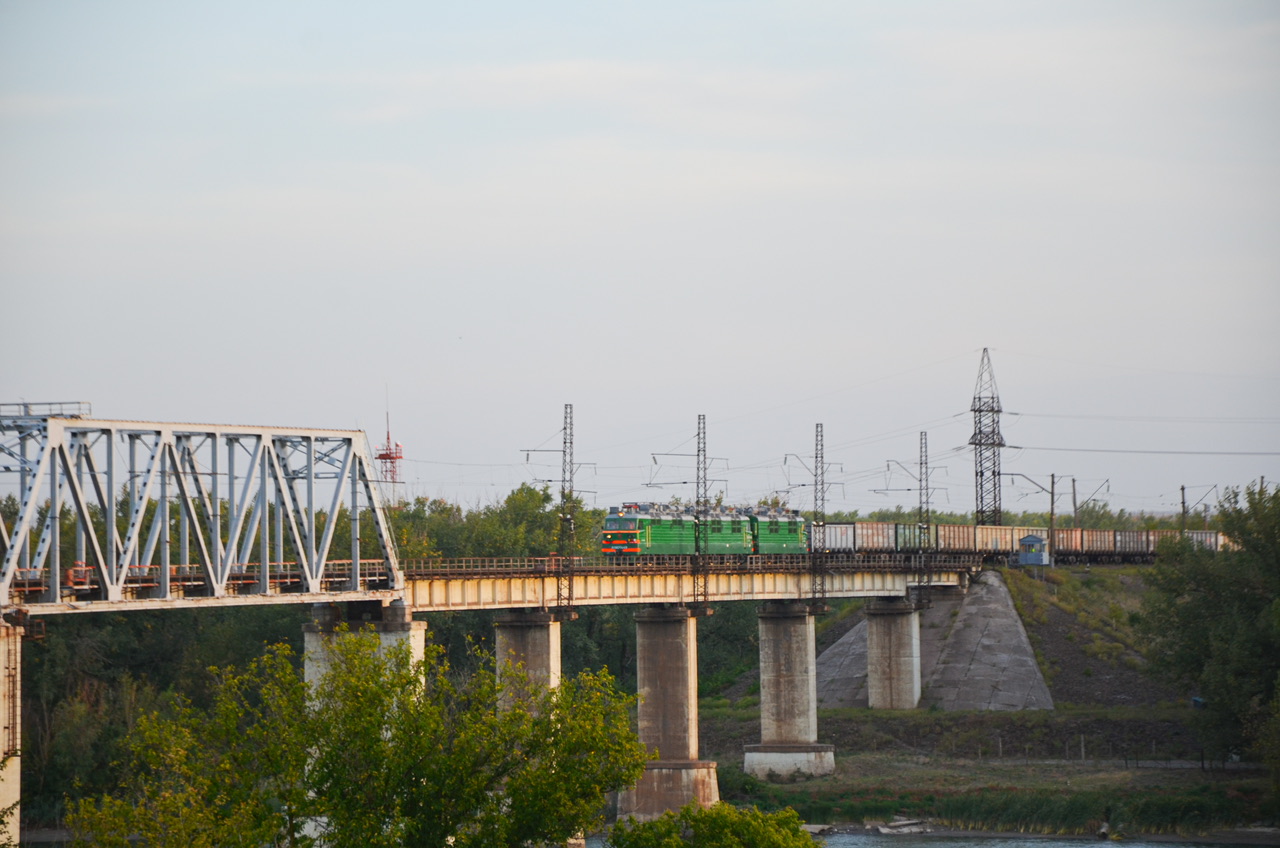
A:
(1031, 551)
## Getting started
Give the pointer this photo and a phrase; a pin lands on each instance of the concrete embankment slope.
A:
(974, 655)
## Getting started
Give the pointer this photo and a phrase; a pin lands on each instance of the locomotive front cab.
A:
(621, 533)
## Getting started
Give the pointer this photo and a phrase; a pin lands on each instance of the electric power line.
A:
(1134, 450)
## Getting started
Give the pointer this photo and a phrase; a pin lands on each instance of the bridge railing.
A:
(473, 567)
(281, 574)
(30, 583)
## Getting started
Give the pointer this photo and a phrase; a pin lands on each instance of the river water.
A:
(859, 840)
(848, 840)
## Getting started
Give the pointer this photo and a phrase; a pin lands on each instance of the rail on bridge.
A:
(138, 511)
(534, 582)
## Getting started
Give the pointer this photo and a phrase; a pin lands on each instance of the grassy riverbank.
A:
(1119, 747)
(1060, 797)
(1059, 772)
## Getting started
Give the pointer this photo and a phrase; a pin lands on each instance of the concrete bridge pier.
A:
(530, 639)
(667, 678)
(393, 623)
(893, 654)
(10, 727)
(788, 697)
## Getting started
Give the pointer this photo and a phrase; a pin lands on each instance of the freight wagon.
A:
(998, 543)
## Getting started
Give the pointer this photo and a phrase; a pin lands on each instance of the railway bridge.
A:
(126, 515)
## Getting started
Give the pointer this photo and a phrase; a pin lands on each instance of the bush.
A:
(718, 826)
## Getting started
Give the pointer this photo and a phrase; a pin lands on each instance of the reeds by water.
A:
(1009, 809)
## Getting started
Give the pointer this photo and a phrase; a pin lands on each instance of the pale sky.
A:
(776, 214)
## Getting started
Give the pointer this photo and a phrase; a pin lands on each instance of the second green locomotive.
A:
(650, 529)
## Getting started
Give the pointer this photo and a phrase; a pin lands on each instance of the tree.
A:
(231, 776)
(382, 751)
(1213, 620)
(524, 524)
(718, 826)
(426, 528)
(1266, 736)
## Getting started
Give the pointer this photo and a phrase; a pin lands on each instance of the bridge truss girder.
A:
(234, 502)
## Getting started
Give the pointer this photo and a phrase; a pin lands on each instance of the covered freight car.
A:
(995, 543)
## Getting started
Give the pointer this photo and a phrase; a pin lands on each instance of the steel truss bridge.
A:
(132, 514)
(119, 515)
(175, 514)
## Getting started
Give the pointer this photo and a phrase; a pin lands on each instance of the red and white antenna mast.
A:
(389, 456)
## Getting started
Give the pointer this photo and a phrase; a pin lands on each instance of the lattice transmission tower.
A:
(986, 441)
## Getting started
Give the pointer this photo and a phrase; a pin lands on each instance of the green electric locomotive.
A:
(651, 529)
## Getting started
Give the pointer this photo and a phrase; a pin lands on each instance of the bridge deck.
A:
(506, 583)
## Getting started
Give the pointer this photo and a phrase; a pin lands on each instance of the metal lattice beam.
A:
(702, 514)
(818, 544)
(174, 511)
(925, 516)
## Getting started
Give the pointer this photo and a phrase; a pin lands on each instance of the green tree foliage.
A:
(427, 527)
(1266, 735)
(231, 776)
(727, 645)
(91, 677)
(526, 523)
(603, 637)
(1213, 620)
(522, 525)
(381, 752)
(718, 826)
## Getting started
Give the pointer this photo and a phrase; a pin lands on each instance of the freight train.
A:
(660, 529)
(1070, 545)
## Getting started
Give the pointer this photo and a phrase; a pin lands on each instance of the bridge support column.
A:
(393, 624)
(788, 697)
(667, 677)
(531, 639)
(10, 726)
(893, 654)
